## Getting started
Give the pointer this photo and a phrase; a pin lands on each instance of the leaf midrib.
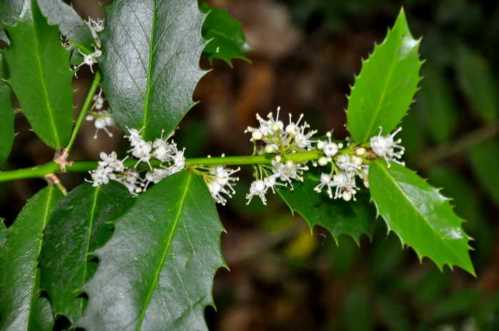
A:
(88, 239)
(167, 244)
(395, 183)
(44, 224)
(150, 68)
(44, 86)
(380, 100)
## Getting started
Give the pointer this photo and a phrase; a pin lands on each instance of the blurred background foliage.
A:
(304, 54)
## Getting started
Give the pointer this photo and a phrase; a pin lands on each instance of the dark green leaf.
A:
(437, 102)
(485, 163)
(478, 84)
(6, 118)
(21, 307)
(87, 214)
(339, 217)
(420, 216)
(67, 19)
(151, 62)
(11, 10)
(157, 270)
(225, 35)
(3, 233)
(40, 76)
(386, 85)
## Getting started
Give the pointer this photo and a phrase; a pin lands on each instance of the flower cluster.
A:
(220, 182)
(288, 151)
(274, 138)
(102, 119)
(346, 163)
(168, 160)
(90, 59)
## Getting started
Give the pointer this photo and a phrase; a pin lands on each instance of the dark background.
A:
(304, 56)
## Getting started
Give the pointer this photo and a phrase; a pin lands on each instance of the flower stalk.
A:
(84, 166)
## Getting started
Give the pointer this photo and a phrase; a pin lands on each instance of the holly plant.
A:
(137, 244)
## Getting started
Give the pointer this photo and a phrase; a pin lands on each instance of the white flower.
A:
(132, 181)
(111, 161)
(221, 183)
(134, 137)
(98, 101)
(326, 183)
(178, 162)
(107, 169)
(346, 187)
(142, 151)
(258, 188)
(102, 120)
(329, 148)
(155, 176)
(288, 171)
(350, 164)
(90, 59)
(387, 147)
(269, 128)
(100, 176)
(95, 26)
(163, 151)
(298, 133)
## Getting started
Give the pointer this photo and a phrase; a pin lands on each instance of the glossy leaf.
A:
(386, 85)
(87, 213)
(157, 270)
(478, 84)
(6, 118)
(352, 219)
(151, 62)
(420, 216)
(225, 36)
(437, 102)
(485, 163)
(67, 19)
(11, 10)
(40, 76)
(21, 307)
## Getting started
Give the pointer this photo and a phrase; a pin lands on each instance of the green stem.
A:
(84, 166)
(87, 104)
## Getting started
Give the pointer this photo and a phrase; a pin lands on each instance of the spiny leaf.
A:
(67, 19)
(157, 270)
(21, 307)
(151, 62)
(6, 118)
(40, 76)
(339, 217)
(478, 84)
(419, 215)
(87, 214)
(386, 85)
(226, 38)
(485, 162)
